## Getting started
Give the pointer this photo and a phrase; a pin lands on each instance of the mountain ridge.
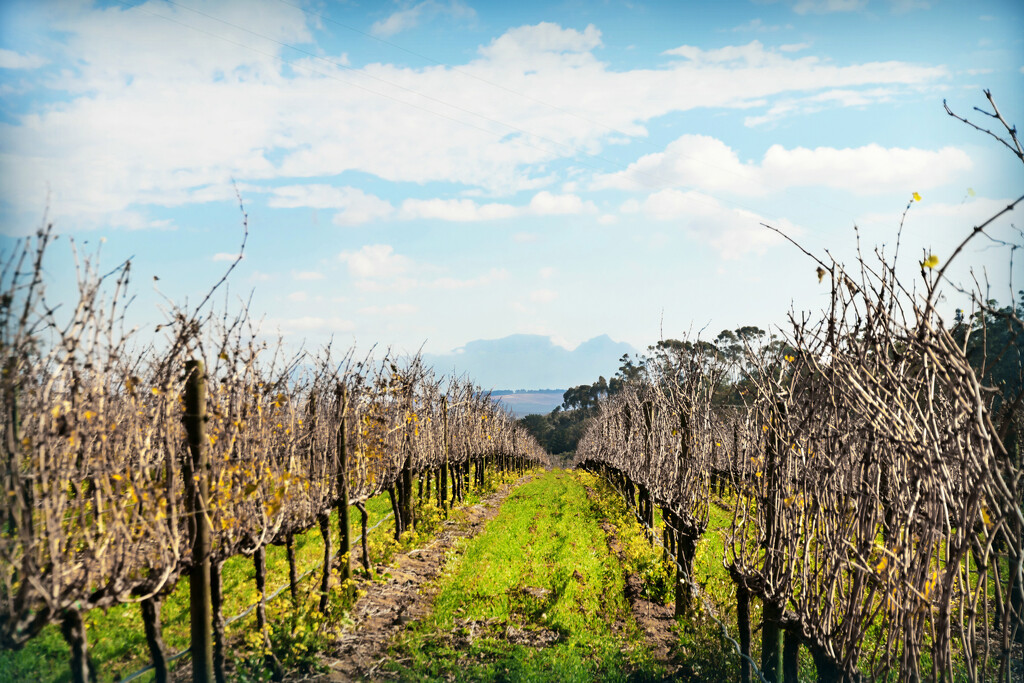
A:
(517, 361)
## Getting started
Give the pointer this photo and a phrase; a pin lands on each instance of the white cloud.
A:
(458, 210)
(9, 59)
(225, 256)
(708, 164)
(409, 18)
(131, 111)
(308, 324)
(305, 275)
(375, 261)
(828, 6)
(354, 206)
(298, 297)
(389, 310)
(546, 273)
(465, 210)
(863, 170)
(759, 26)
(546, 204)
(732, 231)
(794, 47)
(492, 276)
(543, 296)
(524, 237)
(539, 43)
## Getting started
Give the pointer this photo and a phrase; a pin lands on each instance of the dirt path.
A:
(654, 618)
(404, 596)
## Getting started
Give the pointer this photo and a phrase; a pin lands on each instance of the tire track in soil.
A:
(654, 618)
(406, 595)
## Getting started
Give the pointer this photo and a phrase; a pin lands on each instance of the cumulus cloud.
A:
(710, 165)
(465, 210)
(543, 296)
(376, 261)
(732, 231)
(9, 59)
(540, 43)
(225, 256)
(409, 18)
(759, 26)
(459, 210)
(306, 275)
(353, 205)
(131, 111)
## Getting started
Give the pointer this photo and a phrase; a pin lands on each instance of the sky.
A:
(423, 174)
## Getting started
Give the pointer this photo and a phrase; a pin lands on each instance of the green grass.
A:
(117, 643)
(542, 568)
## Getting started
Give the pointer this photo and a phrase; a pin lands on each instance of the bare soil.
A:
(406, 594)
(654, 618)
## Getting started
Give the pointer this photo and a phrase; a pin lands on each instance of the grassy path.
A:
(536, 597)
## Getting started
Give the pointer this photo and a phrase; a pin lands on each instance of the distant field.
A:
(529, 402)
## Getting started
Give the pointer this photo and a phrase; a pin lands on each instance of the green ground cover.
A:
(117, 643)
(540, 574)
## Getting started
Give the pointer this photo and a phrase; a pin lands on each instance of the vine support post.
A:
(73, 630)
(442, 479)
(154, 637)
(366, 552)
(771, 641)
(344, 533)
(198, 488)
(324, 520)
(742, 623)
(791, 654)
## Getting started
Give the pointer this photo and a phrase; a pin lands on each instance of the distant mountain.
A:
(531, 361)
(529, 402)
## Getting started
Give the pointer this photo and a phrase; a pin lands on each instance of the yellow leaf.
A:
(986, 518)
(821, 273)
(790, 359)
(881, 565)
(970, 191)
(917, 197)
(931, 261)
(222, 355)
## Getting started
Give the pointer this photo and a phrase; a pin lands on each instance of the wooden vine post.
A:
(345, 539)
(442, 480)
(772, 612)
(198, 488)
(405, 484)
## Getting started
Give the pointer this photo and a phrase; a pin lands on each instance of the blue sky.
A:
(429, 173)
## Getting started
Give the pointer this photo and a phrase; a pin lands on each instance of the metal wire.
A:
(694, 587)
(247, 611)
